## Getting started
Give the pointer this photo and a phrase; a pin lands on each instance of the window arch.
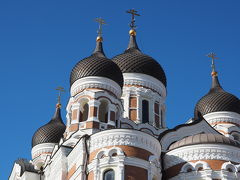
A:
(109, 175)
(145, 111)
(103, 111)
(84, 110)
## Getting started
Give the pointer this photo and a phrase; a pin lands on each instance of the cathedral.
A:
(116, 127)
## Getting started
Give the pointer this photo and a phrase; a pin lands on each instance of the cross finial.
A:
(101, 22)
(133, 13)
(60, 91)
(213, 57)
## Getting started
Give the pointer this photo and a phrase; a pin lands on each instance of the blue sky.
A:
(40, 42)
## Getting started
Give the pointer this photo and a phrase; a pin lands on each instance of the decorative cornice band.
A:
(145, 81)
(222, 116)
(202, 152)
(42, 148)
(95, 82)
(125, 137)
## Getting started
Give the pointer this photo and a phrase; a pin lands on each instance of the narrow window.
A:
(84, 112)
(103, 111)
(145, 111)
(108, 175)
(161, 116)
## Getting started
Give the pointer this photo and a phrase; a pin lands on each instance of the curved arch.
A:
(115, 150)
(188, 167)
(84, 109)
(228, 166)
(201, 165)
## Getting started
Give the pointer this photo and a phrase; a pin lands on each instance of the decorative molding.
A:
(125, 137)
(188, 130)
(201, 152)
(222, 116)
(95, 82)
(147, 128)
(207, 175)
(145, 81)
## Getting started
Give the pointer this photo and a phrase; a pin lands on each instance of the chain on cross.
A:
(100, 22)
(133, 13)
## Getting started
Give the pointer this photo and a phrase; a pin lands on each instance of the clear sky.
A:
(40, 42)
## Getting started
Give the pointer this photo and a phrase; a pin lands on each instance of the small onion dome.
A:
(203, 139)
(134, 61)
(97, 65)
(51, 132)
(216, 100)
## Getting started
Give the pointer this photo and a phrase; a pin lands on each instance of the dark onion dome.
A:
(203, 139)
(216, 100)
(51, 132)
(134, 61)
(25, 166)
(97, 65)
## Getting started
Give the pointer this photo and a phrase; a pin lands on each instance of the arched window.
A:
(83, 115)
(103, 111)
(145, 111)
(108, 175)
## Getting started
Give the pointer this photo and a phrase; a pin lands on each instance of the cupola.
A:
(217, 99)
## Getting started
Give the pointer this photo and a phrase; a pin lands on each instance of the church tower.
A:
(144, 90)
(96, 87)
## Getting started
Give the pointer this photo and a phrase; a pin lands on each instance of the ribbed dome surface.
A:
(204, 139)
(51, 132)
(216, 100)
(97, 65)
(134, 61)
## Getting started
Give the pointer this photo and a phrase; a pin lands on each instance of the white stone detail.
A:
(201, 152)
(146, 81)
(147, 128)
(125, 137)
(95, 82)
(189, 130)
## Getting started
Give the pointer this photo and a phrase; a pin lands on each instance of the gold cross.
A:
(101, 22)
(133, 13)
(60, 91)
(213, 57)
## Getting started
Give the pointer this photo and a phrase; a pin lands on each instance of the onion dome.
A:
(204, 139)
(216, 99)
(51, 132)
(97, 65)
(134, 61)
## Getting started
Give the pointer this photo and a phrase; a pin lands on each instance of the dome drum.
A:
(95, 82)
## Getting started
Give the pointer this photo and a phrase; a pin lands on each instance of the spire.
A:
(99, 47)
(132, 41)
(215, 82)
(57, 114)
